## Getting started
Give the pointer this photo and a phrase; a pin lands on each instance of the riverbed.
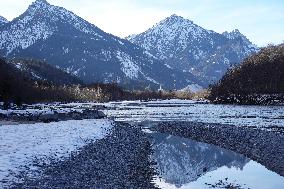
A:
(194, 144)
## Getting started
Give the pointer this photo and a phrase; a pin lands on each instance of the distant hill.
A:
(29, 81)
(258, 80)
(183, 45)
(41, 71)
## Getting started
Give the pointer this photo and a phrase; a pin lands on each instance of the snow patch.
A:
(129, 68)
(193, 88)
(20, 145)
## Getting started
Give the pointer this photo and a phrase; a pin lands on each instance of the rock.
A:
(101, 114)
(46, 118)
(55, 116)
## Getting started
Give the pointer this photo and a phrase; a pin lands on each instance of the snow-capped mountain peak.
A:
(175, 18)
(40, 21)
(40, 7)
(174, 32)
(236, 34)
(65, 40)
(184, 45)
(51, 13)
(3, 21)
(40, 3)
(233, 34)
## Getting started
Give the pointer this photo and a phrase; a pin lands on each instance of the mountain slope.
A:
(190, 48)
(40, 71)
(67, 41)
(257, 80)
(33, 81)
(3, 21)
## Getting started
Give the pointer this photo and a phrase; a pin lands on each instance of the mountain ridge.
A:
(67, 41)
(3, 21)
(190, 48)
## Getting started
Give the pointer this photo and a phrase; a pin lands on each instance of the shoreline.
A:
(52, 116)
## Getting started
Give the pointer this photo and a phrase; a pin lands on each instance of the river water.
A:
(186, 164)
(186, 110)
(183, 163)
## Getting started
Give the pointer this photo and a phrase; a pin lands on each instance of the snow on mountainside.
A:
(41, 71)
(3, 21)
(235, 34)
(65, 40)
(38, 22)
(164, 34)
(190, 48)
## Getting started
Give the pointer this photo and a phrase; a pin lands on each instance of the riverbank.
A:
(12, 117)
(120, 160)
(25, 148)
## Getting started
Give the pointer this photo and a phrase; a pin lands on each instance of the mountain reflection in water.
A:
(184, 163)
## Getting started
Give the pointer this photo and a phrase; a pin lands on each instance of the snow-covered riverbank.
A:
(27, 149)
(23, 145)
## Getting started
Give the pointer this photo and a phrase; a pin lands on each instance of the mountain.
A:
(259, 79)
(3, 21)
(70, 43)
(188, 47)
(40, 71)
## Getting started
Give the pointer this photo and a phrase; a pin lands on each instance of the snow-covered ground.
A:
(38, 109)
(23, 145)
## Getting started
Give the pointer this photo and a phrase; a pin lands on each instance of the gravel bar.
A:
(120, 160)
(51, 117)
(265, 146)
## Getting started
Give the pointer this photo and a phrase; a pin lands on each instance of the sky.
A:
(262, 21)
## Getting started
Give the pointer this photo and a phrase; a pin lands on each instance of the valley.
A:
(193, 100)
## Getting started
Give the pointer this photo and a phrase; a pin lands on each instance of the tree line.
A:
(17, 87)
(259, 79)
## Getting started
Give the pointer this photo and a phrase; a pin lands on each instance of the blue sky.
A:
(262, 21)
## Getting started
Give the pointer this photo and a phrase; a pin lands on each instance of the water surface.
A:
(184, 163)
(186, 110)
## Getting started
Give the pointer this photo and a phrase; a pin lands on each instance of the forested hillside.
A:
(21, 83)
(41, 71)
(258, 80)
(30, 81)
